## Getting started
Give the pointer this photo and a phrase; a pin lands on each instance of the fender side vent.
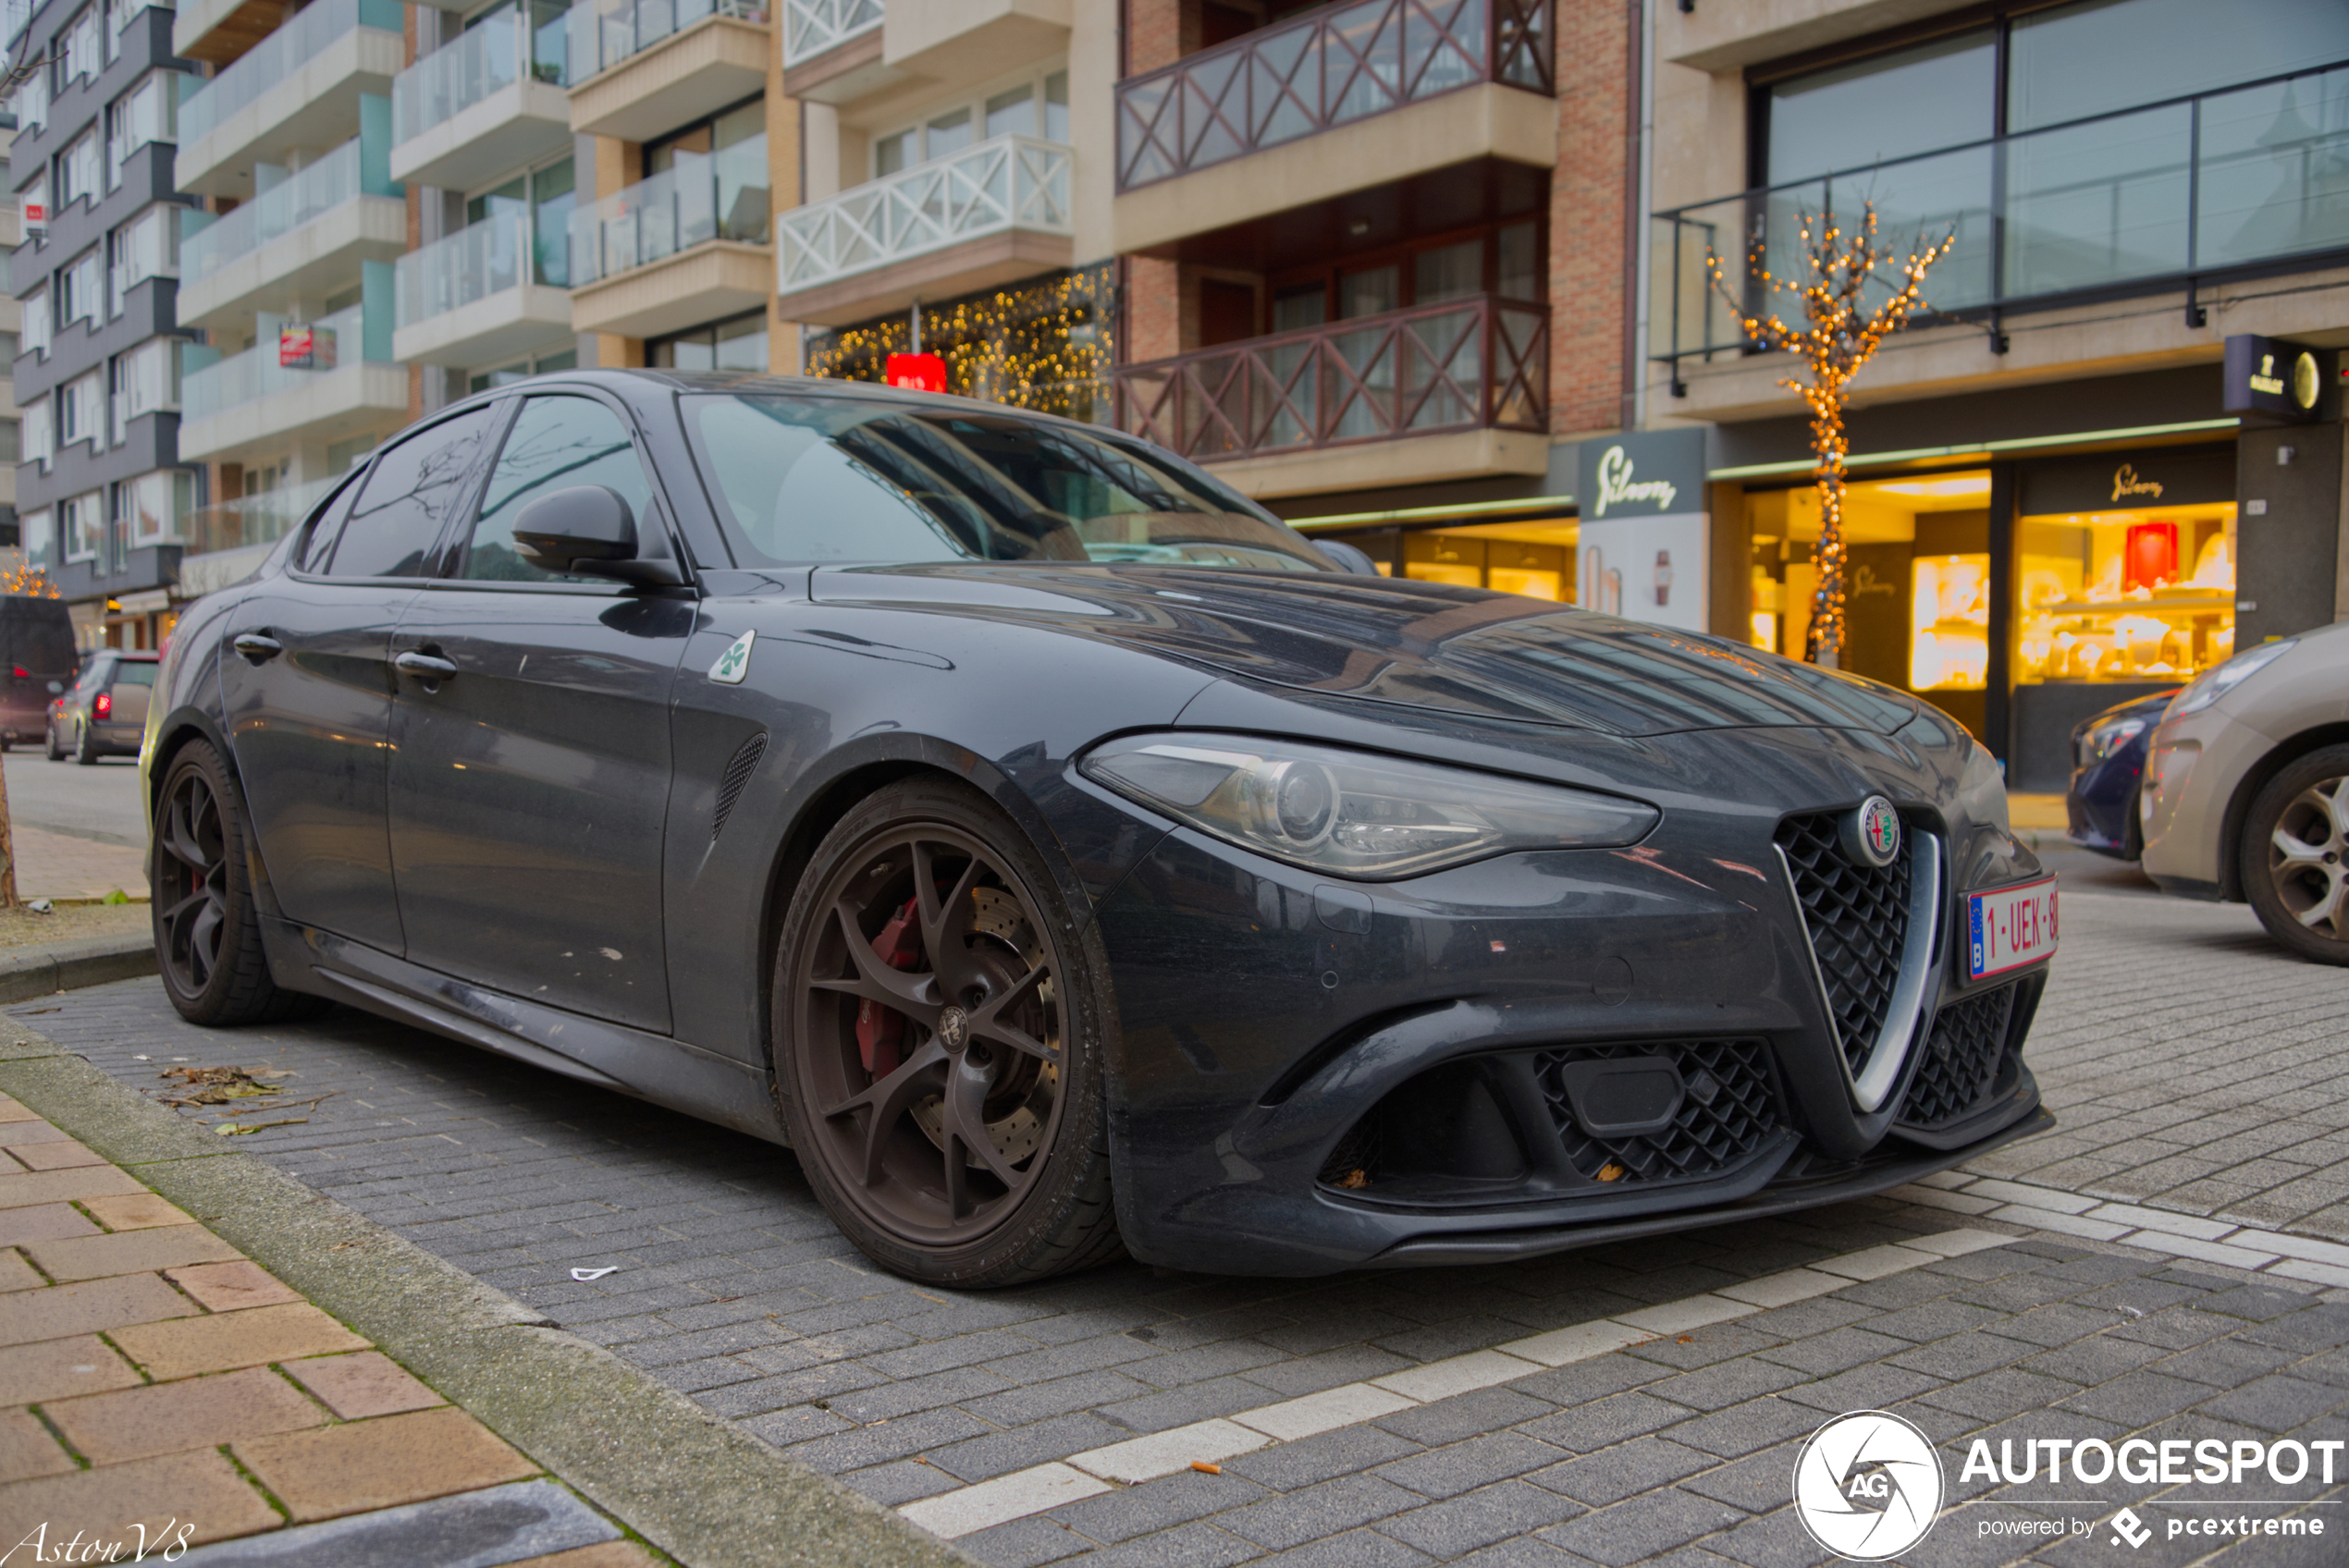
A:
(739, 767)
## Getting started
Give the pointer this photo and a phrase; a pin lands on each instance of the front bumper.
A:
(1272, 1021)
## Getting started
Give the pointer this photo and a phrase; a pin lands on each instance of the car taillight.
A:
(21, 673)
(103, 706)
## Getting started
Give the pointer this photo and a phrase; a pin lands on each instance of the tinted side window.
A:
(556, 443)
(408, 497)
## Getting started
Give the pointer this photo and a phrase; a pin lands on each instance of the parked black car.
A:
(1058, 852)
(2108, 758)
(104, 712)
(37, 661)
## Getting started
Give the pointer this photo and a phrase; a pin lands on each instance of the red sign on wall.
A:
(305, 348)
(918, 373)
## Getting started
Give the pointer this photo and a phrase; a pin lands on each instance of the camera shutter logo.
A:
(1867, 1486)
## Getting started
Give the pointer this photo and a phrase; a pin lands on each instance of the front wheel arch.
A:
(2255, 779)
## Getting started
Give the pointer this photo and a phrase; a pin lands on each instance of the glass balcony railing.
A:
(1477, 364)
(487, 258)
(253, 520)
(1325, 68)
(2161, 196)
(354, 169)
(269, 63)
(604, 33)
(259, 372)
(720, 196)
(1004, 183)
(480, 61)
(810, 26)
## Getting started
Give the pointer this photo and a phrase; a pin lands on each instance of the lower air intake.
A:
(1962, 1063)
(1728, 1110)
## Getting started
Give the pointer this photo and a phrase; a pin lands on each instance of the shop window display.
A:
(1535, 559)
(2145, 595)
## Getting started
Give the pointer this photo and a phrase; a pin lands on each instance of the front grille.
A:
(1728, 1111)
(1858, 920)
(1961, 1062)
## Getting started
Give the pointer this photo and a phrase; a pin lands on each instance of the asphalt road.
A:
(98, 803)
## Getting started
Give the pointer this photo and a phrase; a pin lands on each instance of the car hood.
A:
(1410, 644)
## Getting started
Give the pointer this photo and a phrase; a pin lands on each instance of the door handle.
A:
(423, 666)
(257, 648)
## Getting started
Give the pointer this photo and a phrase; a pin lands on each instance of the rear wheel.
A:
(207, 928)
(85, 747)
(2293, 866)
(939, 1029)
(49, 735)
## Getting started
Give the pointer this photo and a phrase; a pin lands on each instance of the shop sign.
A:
(916, 372)
(1648, 473)
(305, 348)
(2126, 481)
(2281, 380)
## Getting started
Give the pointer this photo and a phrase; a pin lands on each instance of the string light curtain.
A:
(1840, 333)
(1043, 344)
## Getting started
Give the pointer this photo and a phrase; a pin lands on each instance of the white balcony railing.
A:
(810, 26)
(455, 76)
(299, 199)
(723, 196)
(604, 33)
(1007, 183)
(256, 372)
(265, 66)
(487, 258)
(253, 520)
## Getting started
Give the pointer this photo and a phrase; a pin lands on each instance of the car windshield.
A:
(843, 479)
(135, 672)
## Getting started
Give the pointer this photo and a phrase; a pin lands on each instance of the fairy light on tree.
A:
(1840, 334)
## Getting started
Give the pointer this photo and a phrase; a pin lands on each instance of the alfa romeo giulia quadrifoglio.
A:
(1062, 855)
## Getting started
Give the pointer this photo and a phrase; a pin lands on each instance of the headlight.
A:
(2106, 739)
(1355, 813)
(2213, 684)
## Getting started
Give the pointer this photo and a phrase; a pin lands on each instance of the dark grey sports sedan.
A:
(1062, 855)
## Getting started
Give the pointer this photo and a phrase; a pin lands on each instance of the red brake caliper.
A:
(878, 1028)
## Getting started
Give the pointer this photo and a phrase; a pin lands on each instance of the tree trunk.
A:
(7, 851)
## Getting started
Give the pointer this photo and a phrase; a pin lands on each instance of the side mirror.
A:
(57, 688)
(588, 530)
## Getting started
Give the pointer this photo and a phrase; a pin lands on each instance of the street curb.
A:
(703, 1490)
(26, 973)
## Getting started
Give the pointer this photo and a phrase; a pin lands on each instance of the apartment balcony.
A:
(845, 50)
(2181, 197)
(228, 540)
(987, 214)
(687, 246)
(478, 108)
(1455, 390)
(832, 50)
(249, 404)
(308, 234)
(481, 296)
(643, 67)
(1237, 133)
(302, 86)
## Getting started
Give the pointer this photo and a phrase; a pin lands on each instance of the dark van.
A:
(36, 649)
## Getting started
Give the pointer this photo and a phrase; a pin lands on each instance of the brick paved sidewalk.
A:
(158, 1388)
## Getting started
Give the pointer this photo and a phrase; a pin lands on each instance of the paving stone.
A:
(92, 1256)
(1466, 1415)
(172, 1417)
(1318, 1511)
(89, 1306)
(226, 1287)
(2276, 1404)
(357, 1386)
(42, 1222)
(1161, 1504)
(191, 1345)
(1586, 1429)
(1291, 1466)
(1637, 1529)
(198, 1490)
(1624, 1470)
(27, 1449)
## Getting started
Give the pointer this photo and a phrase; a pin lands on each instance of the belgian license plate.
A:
(2009, 927)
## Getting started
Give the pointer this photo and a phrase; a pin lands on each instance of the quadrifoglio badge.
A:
(1868, 1486)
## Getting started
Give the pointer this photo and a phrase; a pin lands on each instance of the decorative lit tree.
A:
(1839, 333)
(31, 580)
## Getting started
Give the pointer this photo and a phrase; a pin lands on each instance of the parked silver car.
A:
(2246, 795)
(105, 712)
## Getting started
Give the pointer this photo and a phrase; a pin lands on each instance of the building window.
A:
(36, 323)
(543, 364)
(81, 47)
(8, 348)
(82, 410)
(39, 443)
(148, 112)
(148, 246)
(34, 203)
(1037, 106)
(31, 103)
(154, 506)
(1505, 260)
(147, 378)
(735, 145)
(38, 532)
(78, 172)
(546, 197)
(79, 292)
(11, 441)
(85, 526)
(739, 343)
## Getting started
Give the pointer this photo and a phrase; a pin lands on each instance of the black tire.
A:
(85, 748)
(208, 927)
(49, 735)
(2132, 832)
(1002, 1026)
(2294, 856)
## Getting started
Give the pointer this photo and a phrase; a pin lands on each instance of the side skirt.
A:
(651, 1067)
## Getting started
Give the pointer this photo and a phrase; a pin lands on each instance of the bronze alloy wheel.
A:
(940, 1082)
(208, 927)
(2294, 867)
